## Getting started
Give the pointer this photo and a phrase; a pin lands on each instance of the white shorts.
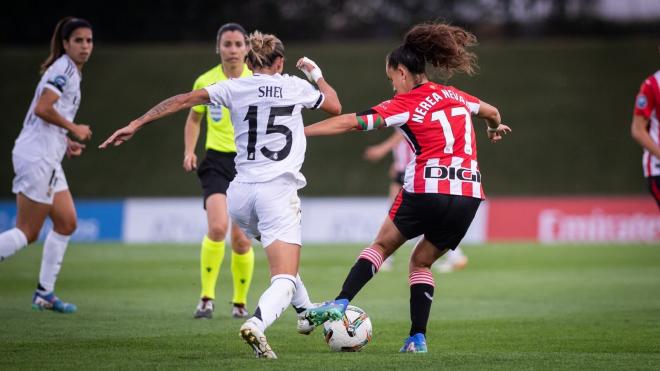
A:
(270, 210)
(38, 180)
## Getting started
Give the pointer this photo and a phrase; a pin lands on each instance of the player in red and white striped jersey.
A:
(442, 187)
(402, 155)
(645, 129)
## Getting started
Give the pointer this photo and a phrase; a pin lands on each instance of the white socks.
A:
(54, 249)
(10, 242)
(274, 300)
(300, 299)
(454, 255)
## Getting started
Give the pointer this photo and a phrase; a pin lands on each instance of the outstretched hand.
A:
(120, 136)
(496, 135)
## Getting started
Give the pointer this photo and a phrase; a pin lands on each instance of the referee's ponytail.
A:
(63, 31)
(441, 45)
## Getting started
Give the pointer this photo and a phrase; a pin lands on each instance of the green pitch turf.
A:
(514, 307)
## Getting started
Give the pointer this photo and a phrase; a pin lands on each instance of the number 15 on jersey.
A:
(271, 128)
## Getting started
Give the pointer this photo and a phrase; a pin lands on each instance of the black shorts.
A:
(216, 171)
(654, 187)
(399, 177)
(442, 219)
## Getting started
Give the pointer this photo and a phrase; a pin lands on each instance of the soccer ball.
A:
(351, 333)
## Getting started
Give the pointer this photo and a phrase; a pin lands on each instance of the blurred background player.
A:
(39, 184)
(270, 140)
(402, 155)
(442, 186)
(215, 173)
(645, 129)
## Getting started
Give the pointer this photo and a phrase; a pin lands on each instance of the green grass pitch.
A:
(514, 307)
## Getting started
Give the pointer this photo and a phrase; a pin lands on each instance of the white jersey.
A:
(40, 140)
(268, 126)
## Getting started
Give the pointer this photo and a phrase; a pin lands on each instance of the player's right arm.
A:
(162, 109)
(190, 137)
(645, 103)
(378, 151)
(367, 120)
(332, 126)
(45, 110)
(639, 132)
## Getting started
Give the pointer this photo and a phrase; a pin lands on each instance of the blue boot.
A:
(414, 344)
(51, 302)
(328, 311)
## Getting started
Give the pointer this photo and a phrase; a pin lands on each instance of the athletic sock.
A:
(41, 290)
(366, 266)
(421, 298)
(242, 266)
(213, 252)
(10, 242)
(300, 300)
(274, 300)
(454, 255)
(51, 261)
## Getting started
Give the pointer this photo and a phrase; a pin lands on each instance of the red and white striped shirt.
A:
(402, 154)
(647, 104)
(436, 121)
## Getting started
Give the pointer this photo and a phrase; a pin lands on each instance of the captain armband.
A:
(370, 120)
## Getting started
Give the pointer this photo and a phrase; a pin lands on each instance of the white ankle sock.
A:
(10, 242)
(274, 300)
(51, 261)
(300, 299)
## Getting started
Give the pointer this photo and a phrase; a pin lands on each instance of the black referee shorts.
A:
(216, 171)
(442, 219)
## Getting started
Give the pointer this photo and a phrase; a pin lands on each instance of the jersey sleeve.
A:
(58, 76)
(310, 97)
(219, 93)
(201, 109)
(394, 111)
(645, 100)
(472, 103)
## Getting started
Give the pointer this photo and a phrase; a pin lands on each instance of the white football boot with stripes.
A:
(256, 339)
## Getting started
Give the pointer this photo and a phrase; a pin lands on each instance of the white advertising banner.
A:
(147, 220)
(324, 220)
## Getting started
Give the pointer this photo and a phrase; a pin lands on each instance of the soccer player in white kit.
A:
(263, 197)
(40, 185)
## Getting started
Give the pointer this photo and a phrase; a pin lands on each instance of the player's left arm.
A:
(367, 120)
(331, 102)
(314, 74)
(162, 109)
(495, 126)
